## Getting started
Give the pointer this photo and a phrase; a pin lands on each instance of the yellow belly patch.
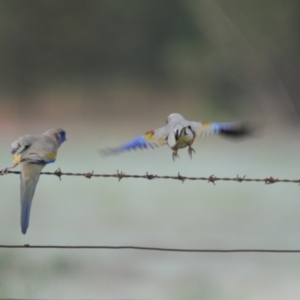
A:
(51, 155)
(183, 141)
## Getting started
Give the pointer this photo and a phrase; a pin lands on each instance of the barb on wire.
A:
(58, 173)
(27, 246)
(212, 178)
(182, 178)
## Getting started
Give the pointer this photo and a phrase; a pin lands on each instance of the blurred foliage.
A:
(46, 41)
(229, 50)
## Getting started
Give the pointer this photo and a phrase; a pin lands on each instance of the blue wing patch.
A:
(138, 143)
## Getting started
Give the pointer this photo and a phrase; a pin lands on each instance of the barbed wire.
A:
(27, 246)
(120, 175)
(212, 178)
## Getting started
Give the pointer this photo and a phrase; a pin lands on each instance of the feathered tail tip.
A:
(237, 130)
(25, 214)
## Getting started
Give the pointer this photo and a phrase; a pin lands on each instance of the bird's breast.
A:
(184, 141)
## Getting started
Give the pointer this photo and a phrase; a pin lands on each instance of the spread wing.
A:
(150, 140)
(231, 129)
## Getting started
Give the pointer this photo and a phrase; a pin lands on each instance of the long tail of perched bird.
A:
(30, 174)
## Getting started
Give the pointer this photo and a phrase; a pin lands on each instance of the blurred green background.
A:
(107, 71)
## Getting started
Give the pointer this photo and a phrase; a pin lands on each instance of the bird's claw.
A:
(4, 171)
(175, 155)
(190, 151)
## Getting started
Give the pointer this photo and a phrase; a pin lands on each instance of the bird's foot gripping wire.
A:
(191, 151)
(5, 170)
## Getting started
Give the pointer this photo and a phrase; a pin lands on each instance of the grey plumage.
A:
(32, 153)
(180, 133)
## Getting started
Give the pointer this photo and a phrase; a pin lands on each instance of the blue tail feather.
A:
(29, 179)
(25, 215)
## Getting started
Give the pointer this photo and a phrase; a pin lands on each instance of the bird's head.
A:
(58, 133)
(173, 118)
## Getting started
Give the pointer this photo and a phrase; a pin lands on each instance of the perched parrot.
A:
(32, 153)
(180, 133)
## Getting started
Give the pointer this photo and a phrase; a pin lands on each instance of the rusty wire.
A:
(212, 178)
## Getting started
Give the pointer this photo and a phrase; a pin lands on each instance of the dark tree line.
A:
(222, 48)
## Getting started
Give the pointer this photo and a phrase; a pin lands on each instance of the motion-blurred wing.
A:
(150, 140)
(233, 129)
